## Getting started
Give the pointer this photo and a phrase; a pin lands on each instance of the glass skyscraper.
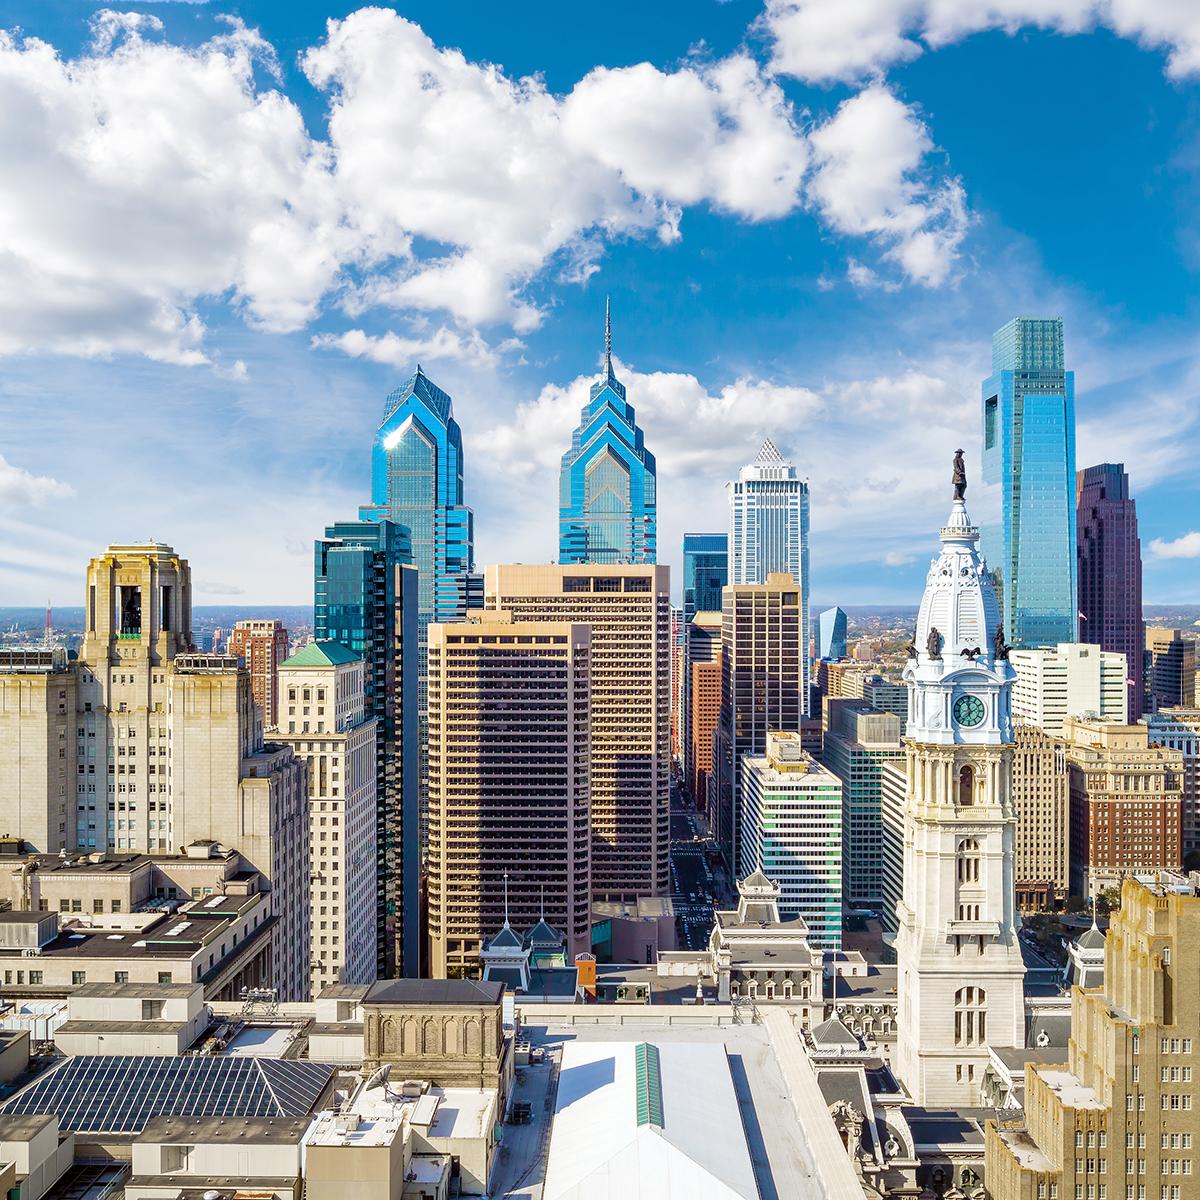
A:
(417, 482)
(1029, 452)
(831, 636)
(1110, 572)
(365, 596)
(607, 487)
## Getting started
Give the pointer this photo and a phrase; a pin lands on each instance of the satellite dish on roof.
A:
(380, 1078)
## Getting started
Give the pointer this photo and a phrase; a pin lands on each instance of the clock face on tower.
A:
(969, 711)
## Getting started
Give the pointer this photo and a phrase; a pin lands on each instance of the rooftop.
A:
(321, 654)
(191, 1130)
(433, 991)
(117, 1095)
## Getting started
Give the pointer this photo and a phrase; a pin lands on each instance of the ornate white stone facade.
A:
(960, 973)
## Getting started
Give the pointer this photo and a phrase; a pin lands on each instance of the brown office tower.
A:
(704, 661)
(1126, 803)
(628, 609)
(1172, 669)
(262, 646)
(1119, 1118)
(762, 686)
(509, 764)
(1041, 797)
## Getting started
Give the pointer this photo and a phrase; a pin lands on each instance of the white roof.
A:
(598, 1151)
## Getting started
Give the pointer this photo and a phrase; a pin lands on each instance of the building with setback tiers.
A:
(324, 720)
(607, 486)
(1110, 571)
(960, 971)
(628, 611)
(365, 598)
(155, 746)
(1120, 1117)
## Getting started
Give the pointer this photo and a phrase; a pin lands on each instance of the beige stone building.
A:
(1072, 679)
(37, 748)
(323, 720)
(509, 774)
(1126, 803)
(1041, 797)
(763, 656)
(1121, 1118)
(628, 610)
(163, 747)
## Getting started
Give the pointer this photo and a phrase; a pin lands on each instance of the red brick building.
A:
(262, 646)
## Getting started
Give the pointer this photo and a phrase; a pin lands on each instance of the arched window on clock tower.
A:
(966, 786)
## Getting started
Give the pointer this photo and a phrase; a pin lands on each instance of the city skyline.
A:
(715, 365)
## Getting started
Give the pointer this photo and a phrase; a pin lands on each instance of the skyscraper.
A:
(768, 521)
(509, 774)
(831, 642)
(704, 683)
(262, 645)
(365, 597)
(417, 482)
(1172, 668)
(607, 487)
(764, 689)
(628, 611)
(1110, 571)
(1068, 681)
(705, 573)
(1029, 452)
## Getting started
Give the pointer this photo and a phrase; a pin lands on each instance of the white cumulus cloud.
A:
(19, 487)
(1185, 546)
(826, 41)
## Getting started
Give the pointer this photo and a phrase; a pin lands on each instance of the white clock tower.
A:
(961, 975)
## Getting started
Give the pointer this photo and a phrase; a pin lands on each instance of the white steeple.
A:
(960, 969)
(958, 673)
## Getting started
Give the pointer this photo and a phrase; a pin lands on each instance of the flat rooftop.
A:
(783, 1161)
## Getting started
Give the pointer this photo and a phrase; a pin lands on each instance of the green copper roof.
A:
(321, 654)
(649, 1084)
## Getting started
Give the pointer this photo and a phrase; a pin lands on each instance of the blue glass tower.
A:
(705, 572)
(606, 497)
(1029, 452)
(365, 596)
(831, 635)
(417, 482)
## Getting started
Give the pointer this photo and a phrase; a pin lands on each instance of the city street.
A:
(696, 887)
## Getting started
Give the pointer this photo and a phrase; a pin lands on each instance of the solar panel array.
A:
(119, 1094)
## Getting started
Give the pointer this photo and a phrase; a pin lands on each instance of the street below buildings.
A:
(697, 887)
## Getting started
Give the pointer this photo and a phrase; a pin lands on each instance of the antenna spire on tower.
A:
(506, 897)
(607, 336)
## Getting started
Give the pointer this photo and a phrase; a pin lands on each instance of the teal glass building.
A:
(607, 485)
(831, 634)
(365, 597)
(1029, 454)
(417, 482)
(705, 572)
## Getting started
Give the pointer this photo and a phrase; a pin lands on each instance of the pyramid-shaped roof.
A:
(321, 654)
(544, 934)
(833, 1033)
(1092, 939)
(419, 385)
(770, 454)
(756, 880)
(506, 939)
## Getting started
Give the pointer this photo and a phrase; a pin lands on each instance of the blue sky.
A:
(225, 240)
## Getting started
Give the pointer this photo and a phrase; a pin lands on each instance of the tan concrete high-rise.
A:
(1041, 797)
(763, 656)
(167, 747)
(262, 645)
(1126, 803)
(323, 719)
(627, 607)
(1121, 1119)
(509, 766)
